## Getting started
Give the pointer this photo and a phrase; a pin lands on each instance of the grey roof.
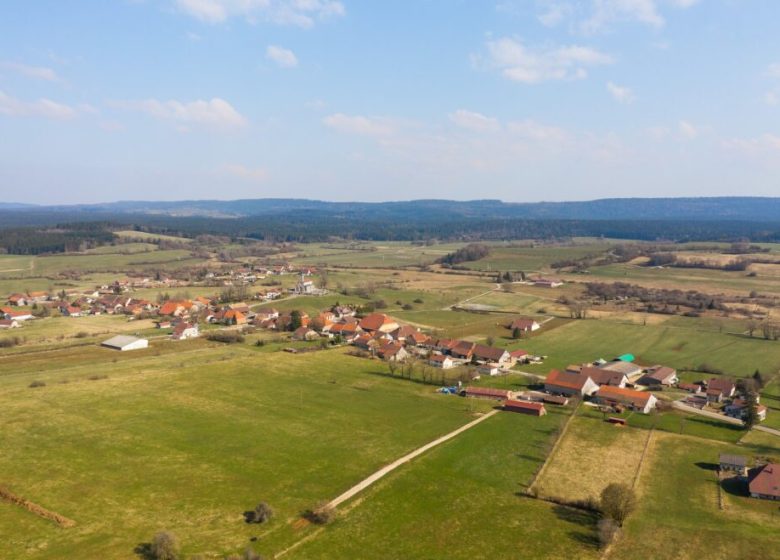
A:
(626, 368)
(120, 340)
(739, 460)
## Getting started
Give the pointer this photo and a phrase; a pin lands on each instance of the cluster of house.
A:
(611, 384)
(720, 392)
(763, 480)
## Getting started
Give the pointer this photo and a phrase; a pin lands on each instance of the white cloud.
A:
(606, 12)
(771, 98)
(43, 107)
(554, 13)
(301, 13)
(621, 94)
(476, 122)
(536, 132)
(357, 124)
(216, 113)
(36, 72)
(773, 70)
(257, 174)
(533, 66)
(687, 130)
(766, 145)
(285, 58)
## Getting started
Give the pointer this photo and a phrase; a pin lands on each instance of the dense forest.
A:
(44, 232)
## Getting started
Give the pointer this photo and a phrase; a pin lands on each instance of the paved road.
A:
(714, 415)
(405, 459)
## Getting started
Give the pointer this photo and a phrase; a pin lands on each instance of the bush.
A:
(97, 377)
(165, 546)
(608, 530)
(618, 501)
(35, 384)
(259, 342)
(407, 307)
(81, 334)
(228, 337)
(321, 515)
(9, 342)
(260, 514)
(418, 300)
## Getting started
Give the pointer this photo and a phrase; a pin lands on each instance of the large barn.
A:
(123, 342)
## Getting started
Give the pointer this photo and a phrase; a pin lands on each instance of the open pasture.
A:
(187, 440)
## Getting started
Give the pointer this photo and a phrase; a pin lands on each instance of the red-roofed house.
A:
(524, 324)
(568, 383)
(378, 322)
(764, 482)
(641, 401)
(184, 330)
(487, 393)
(441, 361)
(604, 376)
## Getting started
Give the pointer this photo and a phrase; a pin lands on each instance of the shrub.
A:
(608, 530)
(408, 307)
(418, 300)
(321, 515)
(9, 342)
(97, 377)
(35, 384)
(259, 342)
(165, 546)
(228, 337)
(81, 334)
(618, 501)
(260, 514)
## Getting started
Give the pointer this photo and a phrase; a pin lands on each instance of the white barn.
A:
(124, 342)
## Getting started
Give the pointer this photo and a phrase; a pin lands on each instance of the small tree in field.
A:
(490, 340)
(618, 501)
(165, 546)
(517, 333)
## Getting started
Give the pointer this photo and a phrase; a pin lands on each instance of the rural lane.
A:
(767, 430)
(384, 471)
(714, 415)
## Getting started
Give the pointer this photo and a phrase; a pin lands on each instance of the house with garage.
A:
(639, 401)
(764, 482)
(725, 386)
(124, 343)
(569, 384)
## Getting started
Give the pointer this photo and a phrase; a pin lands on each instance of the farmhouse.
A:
(524, 324)
(640, 401)
(525, 407)
(738, 408)
(483, 353)
(462, 350)
(488, 368)
(518, 355)
(694, 388)
(392, 352)
(547, 282)
(764, 482)
(604, 376)
(184, 331)
(487, 393)
(733, 463)
(18, 299)
(627, 368)
(19, 315)
(659, 375)
(722, 384)
(378, 322)
(9, 324)
(124, 342)
(304, 333)
(441, 361)
(569, 384)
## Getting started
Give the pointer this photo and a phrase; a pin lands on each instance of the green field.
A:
(461, 501)
(188, 440)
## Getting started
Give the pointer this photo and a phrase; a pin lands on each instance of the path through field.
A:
(450, 307)
(384, 471)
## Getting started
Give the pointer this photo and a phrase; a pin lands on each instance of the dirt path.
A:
(384, 471)
(768, 430)
(450, 307)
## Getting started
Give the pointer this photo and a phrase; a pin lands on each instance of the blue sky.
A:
(521, 100)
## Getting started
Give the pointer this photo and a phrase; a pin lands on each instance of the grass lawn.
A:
(186, 436)
(460, 501)
(681, 348)
(678, 515)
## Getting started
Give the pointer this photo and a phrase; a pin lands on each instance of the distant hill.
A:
(751, 209)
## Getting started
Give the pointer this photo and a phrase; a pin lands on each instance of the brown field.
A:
(592, 455)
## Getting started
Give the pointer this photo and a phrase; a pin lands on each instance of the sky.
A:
(370, 100)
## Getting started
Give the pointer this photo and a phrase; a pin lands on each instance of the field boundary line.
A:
(642, 458)
(553, 451)
(34, 508)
